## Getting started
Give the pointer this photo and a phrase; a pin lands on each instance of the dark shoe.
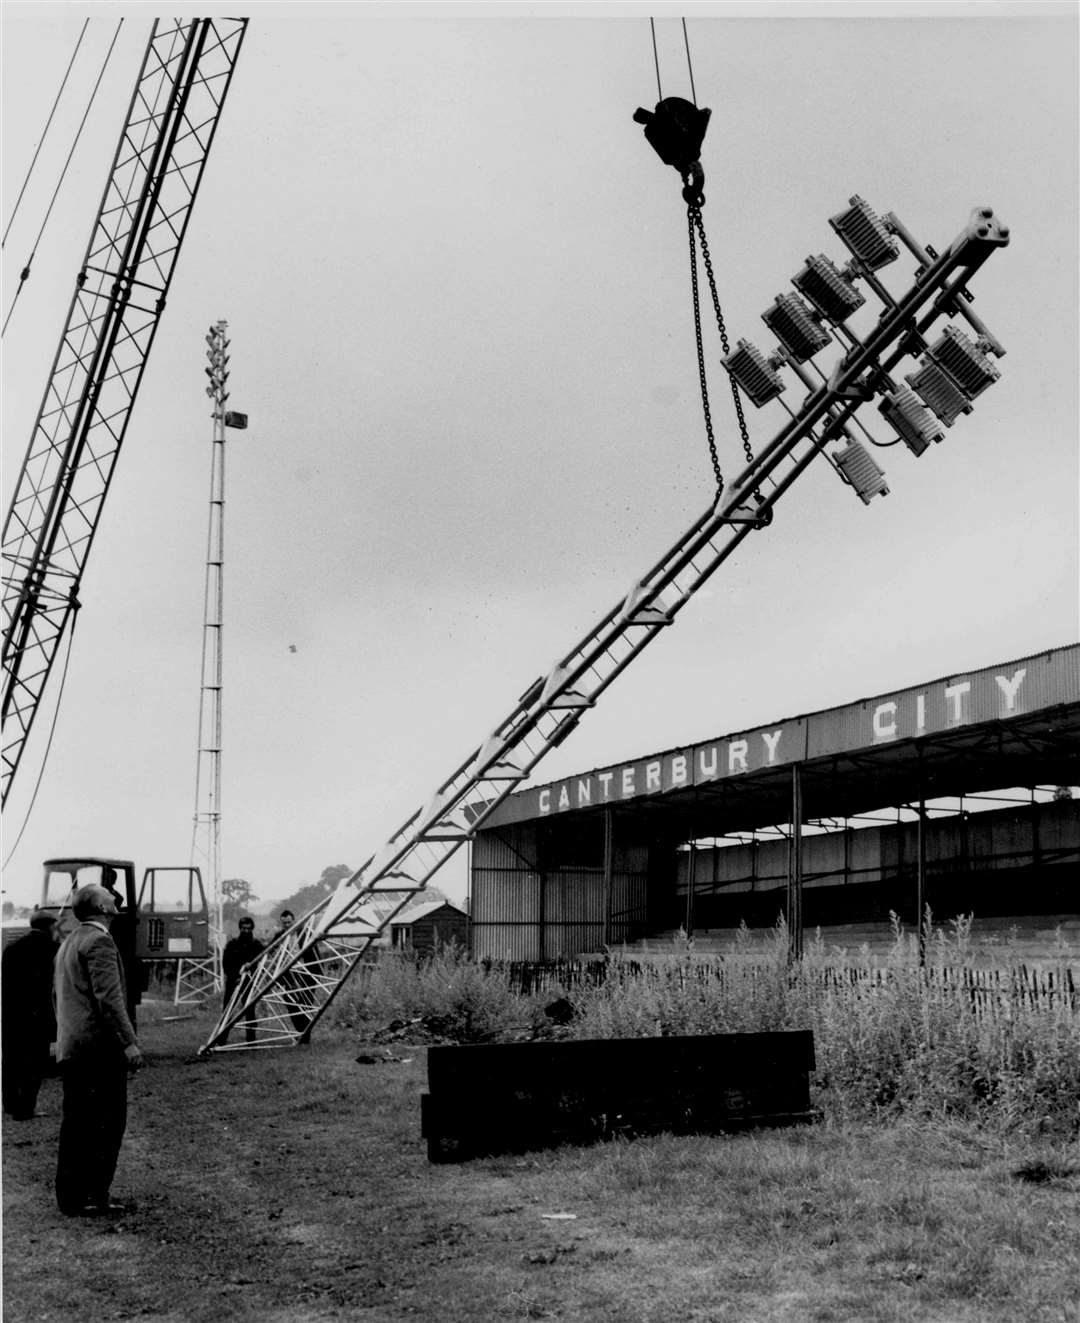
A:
(96, 1210)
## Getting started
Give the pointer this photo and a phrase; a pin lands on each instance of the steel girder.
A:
(119, 296)
(282, 995)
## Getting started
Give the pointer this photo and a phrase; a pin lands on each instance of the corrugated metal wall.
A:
(522, 910)
(990, 840)
(629, 894)
(505, 899)
(534, 899)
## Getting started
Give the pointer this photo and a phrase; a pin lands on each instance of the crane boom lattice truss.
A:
(119, 297)
(282, 995)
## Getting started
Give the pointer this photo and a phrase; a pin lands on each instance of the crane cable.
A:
(25, 273)
(44, 132)
(676, 131)
(48, 744)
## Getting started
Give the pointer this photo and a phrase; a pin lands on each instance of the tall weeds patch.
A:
(895, 1037)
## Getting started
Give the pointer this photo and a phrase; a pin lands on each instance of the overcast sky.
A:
(456, 281)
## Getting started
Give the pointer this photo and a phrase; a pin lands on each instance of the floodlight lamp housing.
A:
(939, 392)
(866, 234)
(795, 326)
(857, 467)
(753, 372)
(828, 289)
(964, 361)
(910, 419)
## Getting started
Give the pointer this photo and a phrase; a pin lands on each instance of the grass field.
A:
(292, 1187)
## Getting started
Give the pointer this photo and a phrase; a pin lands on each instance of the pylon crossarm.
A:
(551, 707)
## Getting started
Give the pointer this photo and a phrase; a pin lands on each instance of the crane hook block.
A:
(675, 130)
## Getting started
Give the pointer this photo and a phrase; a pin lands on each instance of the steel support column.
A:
(609, 868)
(691, 883)
(920, 881)
(795, 869)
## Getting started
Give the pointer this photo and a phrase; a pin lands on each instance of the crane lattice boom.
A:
(119, 297)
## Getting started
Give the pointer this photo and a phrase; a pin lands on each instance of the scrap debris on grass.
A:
(382, 1058)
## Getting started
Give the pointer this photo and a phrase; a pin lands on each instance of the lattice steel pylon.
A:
(196, 979)
(120, 293)
(282, 995)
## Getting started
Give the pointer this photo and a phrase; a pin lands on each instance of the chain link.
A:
(701, 355)
(697, 229)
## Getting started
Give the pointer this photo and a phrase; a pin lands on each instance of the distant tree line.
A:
(238, 896)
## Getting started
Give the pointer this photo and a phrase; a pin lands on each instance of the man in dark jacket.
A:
(122, 931)
(240, 951)
(29, 1026)
(95, 1048)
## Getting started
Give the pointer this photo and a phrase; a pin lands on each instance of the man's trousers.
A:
(92, 1128)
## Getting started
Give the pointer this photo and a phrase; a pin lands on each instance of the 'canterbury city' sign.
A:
(997, 693)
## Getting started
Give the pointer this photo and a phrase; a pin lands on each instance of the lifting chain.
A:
(676, 130)
(696, 228)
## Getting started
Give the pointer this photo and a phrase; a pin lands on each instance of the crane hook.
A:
(676, 130)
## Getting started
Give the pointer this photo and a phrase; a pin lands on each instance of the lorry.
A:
(166, 920)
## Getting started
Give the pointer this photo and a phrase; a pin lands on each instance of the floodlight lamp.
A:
(754, 373)
(211, 339)
(828, 289)
(963, 359)
(795, 326)
(859, 470)
(910, 419)
(866, 234)
(939, 392)
(211, 391)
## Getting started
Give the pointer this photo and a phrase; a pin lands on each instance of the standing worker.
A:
(297, 983)
(95, 1048)
(122, 931)
(240, 951)
(29, 1025)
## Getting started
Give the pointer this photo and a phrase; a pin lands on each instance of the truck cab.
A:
(63, 877)
(167, 919)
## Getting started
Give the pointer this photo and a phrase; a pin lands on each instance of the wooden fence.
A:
(985, 991)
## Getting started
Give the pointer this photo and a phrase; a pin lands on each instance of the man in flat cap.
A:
(95, 1048)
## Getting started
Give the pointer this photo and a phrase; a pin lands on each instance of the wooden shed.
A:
(436, 923)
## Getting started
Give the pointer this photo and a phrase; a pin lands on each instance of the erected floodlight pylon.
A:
(282, 995)
(197, 979)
